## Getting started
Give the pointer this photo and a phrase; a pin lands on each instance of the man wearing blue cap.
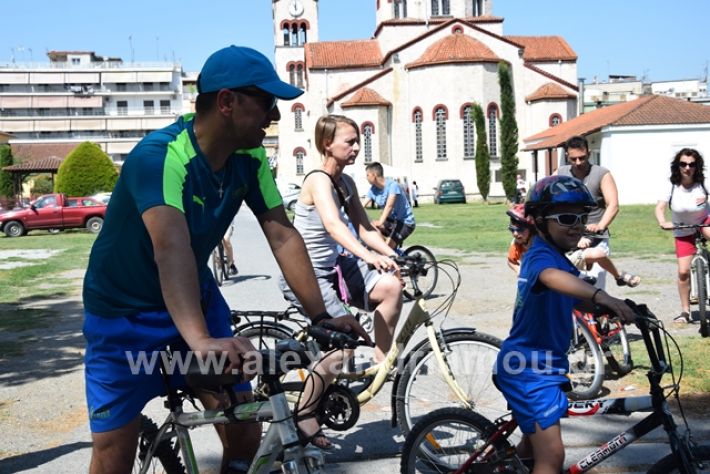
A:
(148, 285)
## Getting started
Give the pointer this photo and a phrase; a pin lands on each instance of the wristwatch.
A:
(295, 8)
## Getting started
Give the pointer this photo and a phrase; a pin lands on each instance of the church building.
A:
(411, 85)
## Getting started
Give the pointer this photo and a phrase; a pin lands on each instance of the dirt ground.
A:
(41, 391)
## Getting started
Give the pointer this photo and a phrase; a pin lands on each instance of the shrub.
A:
(42, 185)
(6, 186)
(86, 170)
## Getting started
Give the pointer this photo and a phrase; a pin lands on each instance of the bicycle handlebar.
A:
(686, 226)
(332, 339)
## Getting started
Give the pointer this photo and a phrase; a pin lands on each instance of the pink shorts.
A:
(685, 246)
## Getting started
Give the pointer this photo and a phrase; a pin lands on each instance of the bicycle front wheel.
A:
(615, 344)
(166, 457)
(423, 387)
(217, 267)
(670, 464)
(586, 366)
(444, 439)
(423, 283)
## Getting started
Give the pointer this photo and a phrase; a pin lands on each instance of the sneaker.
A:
(233, 269)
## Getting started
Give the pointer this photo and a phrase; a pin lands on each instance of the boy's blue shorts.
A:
(116, 394)
(534, 398)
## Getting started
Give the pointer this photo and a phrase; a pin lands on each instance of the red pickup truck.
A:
(54, 212)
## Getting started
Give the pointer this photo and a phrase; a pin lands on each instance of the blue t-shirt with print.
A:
(167, 168)
(402, 211)
(542, 318)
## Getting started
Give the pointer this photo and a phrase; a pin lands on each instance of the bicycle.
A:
(453, 440)
(699, 274)
(450, 365)
(280, 446)
(220, 266)
(596, 337)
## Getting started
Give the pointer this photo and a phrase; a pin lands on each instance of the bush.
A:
(6, 185)
(42, 185)
(85, 171)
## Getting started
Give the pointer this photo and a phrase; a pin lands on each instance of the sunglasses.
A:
(685, 164)
(569, 220)
(267, 100)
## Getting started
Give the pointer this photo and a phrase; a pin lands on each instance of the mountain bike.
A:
(280, 448)
(454, 440)
(449, 366)
(596, 337)
(699, 275)
(220, 266)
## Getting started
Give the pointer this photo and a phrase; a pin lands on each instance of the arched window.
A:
(287, 35)
(440, 116)
(555, 120)
(493, 130)
(469, 143)
(298, 110)
(292, 74)
(418, 151)
(302, 34)
(294, 34)
(478, 8)
(299, 153)
(400, 8)
(367, 131)
(299, 75)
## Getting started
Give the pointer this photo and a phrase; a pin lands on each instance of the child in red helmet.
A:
(523, 229)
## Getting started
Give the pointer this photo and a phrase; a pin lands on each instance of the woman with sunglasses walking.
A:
(687, 199)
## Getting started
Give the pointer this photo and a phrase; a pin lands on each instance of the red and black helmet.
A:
(517, 216)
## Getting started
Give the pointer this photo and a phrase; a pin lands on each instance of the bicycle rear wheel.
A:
(444, 439)
(701, 271)
(423, 387)
(217, 267)
(615, 346)
(424, 283)
(670, 463)
(586, 366)
(166, 457)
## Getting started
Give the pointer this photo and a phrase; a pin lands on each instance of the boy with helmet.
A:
(523, 229)
(531, 366)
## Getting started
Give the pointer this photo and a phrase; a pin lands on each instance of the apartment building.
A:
(79, 96)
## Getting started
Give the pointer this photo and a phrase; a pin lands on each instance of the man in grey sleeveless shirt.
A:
(594, 247)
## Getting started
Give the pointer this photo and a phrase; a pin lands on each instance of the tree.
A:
(42, 185)
(508, 132)
(7, 190)
(86, 170)
(483, 159)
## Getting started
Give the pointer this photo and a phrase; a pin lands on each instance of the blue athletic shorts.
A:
(534, 398)
(115, 391)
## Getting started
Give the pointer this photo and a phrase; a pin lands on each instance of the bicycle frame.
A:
(700, 254)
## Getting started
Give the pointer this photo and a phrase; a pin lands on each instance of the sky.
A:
(651, 39)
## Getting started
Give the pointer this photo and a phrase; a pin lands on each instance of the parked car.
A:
(54, 212)
(449, 190)
(291, 196)
(102, 197)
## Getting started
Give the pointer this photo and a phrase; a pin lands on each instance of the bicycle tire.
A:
(216, 267)
(425, 284)
(670, 463)
(167, 453)
(264, 338)
(701, 271)
(444, 439)
(586, 365)
(224, 269)
(422, 387)
(617, 350)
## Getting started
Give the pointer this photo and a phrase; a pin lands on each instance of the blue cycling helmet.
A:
(557, 190)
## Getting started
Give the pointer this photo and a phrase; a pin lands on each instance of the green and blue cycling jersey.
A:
(167, 168)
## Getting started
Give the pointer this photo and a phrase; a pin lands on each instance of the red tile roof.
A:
(646, 110)
(455, 48)
(39, 165)
(34, 151)
(550, 91)
(343, 54)
(366, 96)
(544, 48)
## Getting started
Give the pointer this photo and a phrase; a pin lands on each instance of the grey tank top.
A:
(322, 248)
(593, 182)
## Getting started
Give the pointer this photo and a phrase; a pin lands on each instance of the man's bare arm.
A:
(611, 199)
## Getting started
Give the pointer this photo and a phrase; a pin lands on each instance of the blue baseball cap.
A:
(236, 66)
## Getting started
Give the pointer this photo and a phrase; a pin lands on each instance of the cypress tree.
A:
(508, 132)
(483, 159)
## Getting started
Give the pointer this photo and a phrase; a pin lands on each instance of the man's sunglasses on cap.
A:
(569, 219)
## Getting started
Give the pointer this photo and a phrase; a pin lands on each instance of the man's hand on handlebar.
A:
(241, 352)
(594, 228)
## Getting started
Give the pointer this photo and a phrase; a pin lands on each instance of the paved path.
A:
(372, 446)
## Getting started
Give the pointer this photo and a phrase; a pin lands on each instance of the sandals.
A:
(317, 439)
(682, 318)
(628, 279)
